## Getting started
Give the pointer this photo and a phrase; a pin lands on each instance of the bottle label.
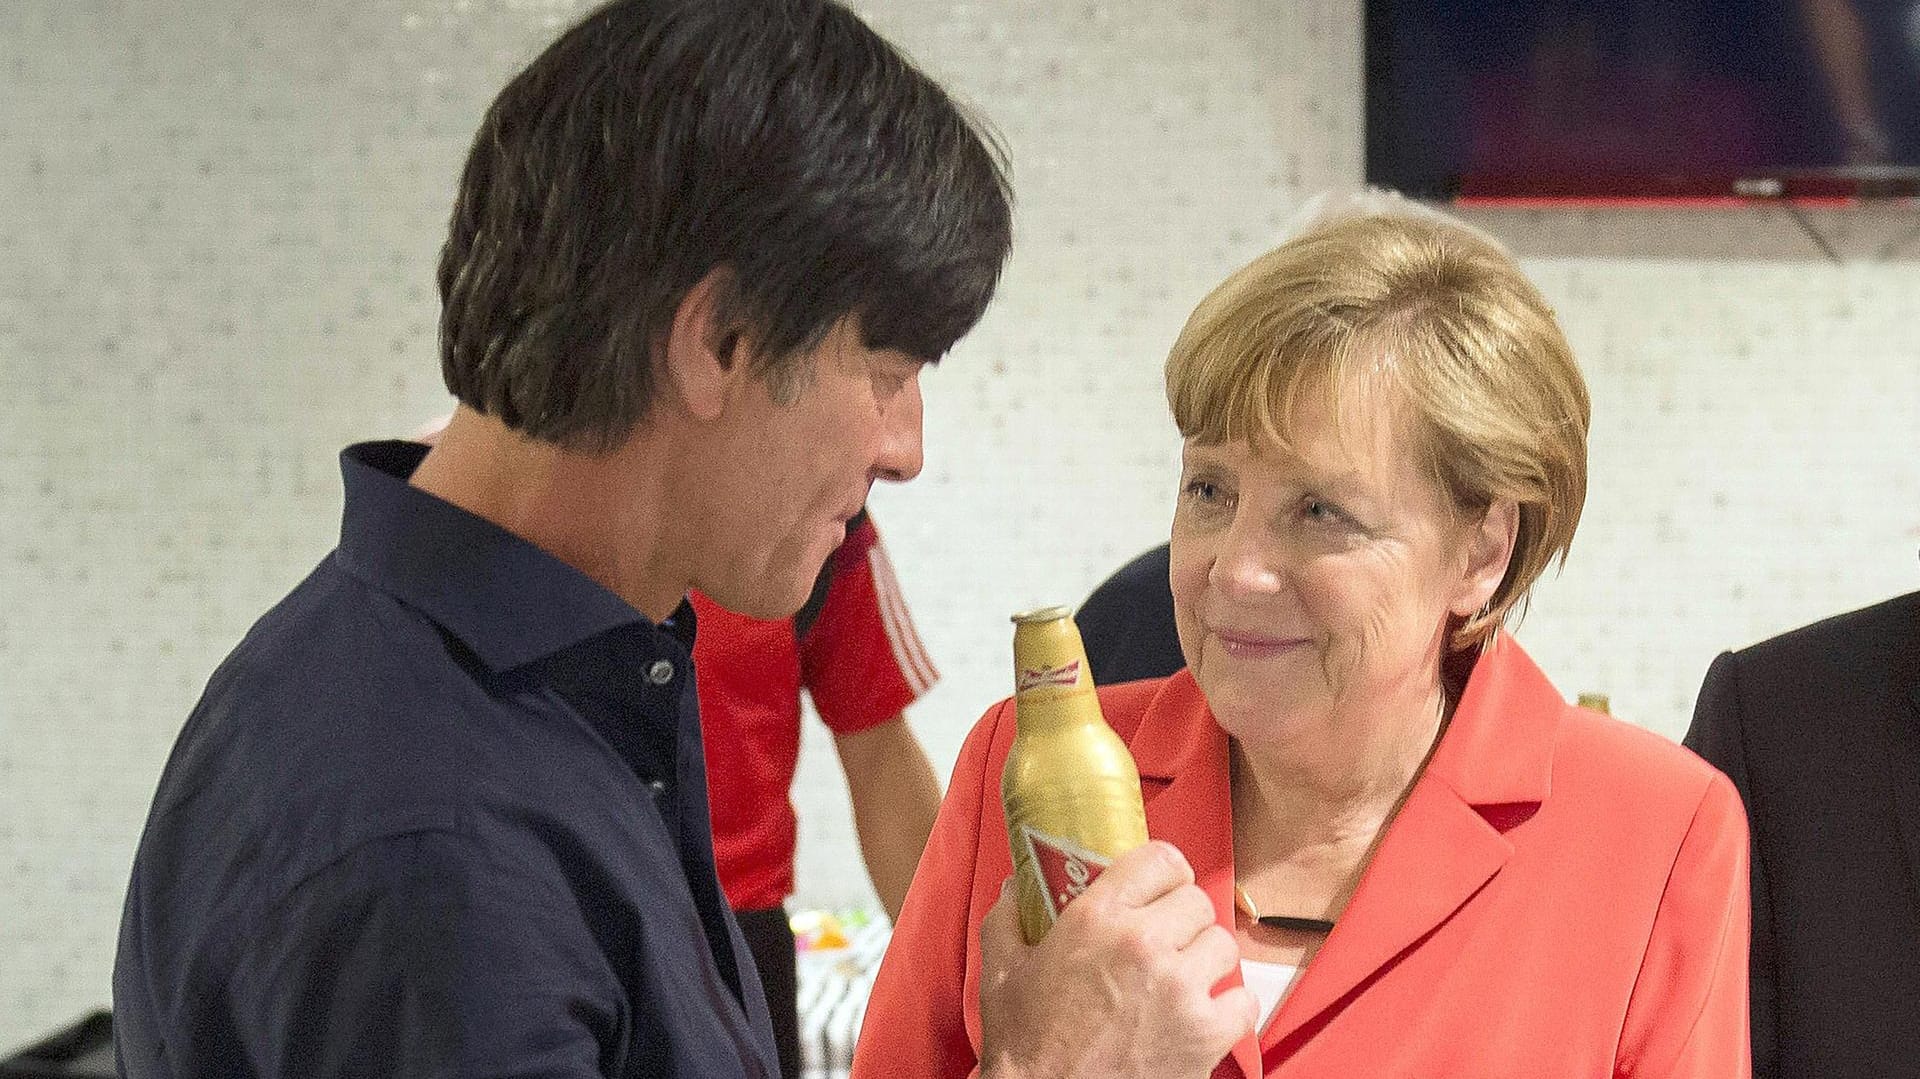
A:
(1067, 674)
(1065, 868)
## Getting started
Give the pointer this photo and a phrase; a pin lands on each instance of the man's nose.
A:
(901, 451)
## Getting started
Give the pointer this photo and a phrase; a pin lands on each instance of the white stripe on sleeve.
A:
(908, 652)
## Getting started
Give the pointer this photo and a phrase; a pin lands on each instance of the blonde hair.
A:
(1383, 293)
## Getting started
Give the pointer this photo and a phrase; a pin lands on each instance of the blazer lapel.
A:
(1182, 756)
(1437, 854)
(1442, 848)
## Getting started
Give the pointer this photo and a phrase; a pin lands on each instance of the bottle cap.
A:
(1041, 614)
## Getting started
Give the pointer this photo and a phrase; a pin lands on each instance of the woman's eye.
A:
(1322, 512)
(1203, 491)
(1203, 499)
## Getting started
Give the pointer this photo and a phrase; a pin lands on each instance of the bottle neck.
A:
(1034, 712)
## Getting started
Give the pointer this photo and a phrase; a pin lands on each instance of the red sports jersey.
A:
(858, 656)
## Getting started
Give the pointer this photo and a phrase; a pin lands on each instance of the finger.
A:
(1143, 874)
(1000, 938)
(1213, 955)
(1175, 919)
(1233, 1015)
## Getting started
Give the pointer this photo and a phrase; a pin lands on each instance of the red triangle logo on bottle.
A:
(1065, 868)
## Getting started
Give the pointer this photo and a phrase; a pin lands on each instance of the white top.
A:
(1268, 982)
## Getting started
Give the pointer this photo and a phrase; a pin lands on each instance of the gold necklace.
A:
(1277, 921)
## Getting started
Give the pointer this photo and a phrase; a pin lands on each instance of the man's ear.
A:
(1489, 550)
(702, 358)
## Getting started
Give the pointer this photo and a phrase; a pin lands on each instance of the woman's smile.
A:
(1251, 644)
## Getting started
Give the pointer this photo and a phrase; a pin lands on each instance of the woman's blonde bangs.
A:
(1441, 318)
(1251, 354)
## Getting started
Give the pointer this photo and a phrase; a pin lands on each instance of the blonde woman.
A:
(1425, 861)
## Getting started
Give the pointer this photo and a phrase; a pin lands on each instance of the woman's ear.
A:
(700, 359)
(1489, 550)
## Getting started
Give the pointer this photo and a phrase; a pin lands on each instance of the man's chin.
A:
(759, 605)
(771, 599)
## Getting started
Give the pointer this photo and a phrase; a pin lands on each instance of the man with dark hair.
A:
(443, 811)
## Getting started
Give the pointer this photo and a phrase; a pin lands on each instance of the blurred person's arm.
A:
(862, 662)
(895, 798)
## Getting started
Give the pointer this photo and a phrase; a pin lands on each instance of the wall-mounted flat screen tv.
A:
(1643, 100)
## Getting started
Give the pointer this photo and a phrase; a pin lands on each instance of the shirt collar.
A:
(508, 601)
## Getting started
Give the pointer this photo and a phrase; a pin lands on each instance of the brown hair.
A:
(783, 142)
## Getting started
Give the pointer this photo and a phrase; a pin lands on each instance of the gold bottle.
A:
(1070, 788)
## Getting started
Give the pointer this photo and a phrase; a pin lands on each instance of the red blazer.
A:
(1561, 895)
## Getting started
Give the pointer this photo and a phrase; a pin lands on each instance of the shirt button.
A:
(657, 786)
(661, 672)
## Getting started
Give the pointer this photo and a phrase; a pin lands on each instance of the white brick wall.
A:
(216, 252)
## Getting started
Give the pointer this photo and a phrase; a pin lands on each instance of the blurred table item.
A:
(839, 952)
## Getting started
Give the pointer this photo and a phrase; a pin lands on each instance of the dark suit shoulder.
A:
(1810, 704)
(1815, 727)
(1891, 625)
(1869, 657)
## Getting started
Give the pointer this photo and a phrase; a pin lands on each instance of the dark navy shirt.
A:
(442, 812)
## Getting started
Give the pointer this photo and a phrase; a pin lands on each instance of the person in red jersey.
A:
(853, 649)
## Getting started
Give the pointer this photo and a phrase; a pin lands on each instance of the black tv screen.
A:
(1643, 99)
